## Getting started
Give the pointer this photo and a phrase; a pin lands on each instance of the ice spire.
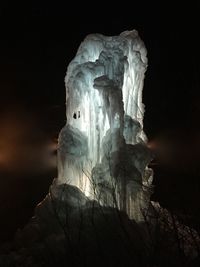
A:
(102, 147)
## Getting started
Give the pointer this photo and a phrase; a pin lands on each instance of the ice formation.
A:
(102, 148)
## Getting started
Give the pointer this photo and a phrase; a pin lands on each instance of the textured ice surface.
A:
(102, 149)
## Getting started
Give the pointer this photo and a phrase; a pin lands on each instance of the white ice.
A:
(102, 148)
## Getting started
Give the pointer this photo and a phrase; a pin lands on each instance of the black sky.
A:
(37, 42)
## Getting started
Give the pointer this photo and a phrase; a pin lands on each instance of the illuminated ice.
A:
(102, 148)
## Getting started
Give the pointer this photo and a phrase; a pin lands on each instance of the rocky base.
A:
(68, 229)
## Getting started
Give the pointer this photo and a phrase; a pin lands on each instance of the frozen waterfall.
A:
(102, 148)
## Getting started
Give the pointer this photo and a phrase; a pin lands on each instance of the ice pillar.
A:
(102, 148)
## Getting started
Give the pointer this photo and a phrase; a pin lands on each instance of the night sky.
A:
(37, 42)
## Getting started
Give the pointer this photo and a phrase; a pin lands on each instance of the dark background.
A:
(37, 42)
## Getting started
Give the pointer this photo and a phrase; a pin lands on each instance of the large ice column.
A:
(102, 147)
